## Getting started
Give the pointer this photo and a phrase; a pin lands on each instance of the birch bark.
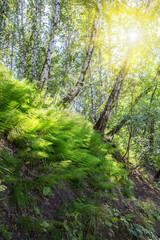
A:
(35, 38)
(92, 94)
(118, 127)
(100, 77)
(20, 12)
(77, 88)
(106, 113)
(12, 45)
(3, 19)
(44, 77)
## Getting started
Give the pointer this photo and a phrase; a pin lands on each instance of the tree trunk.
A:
(12, 46)
(2, 20)
(106, 113)
(44, 77)
(75, 90)
(148, 7)
(35, 36)
(157, 176)
(100, 77)
(92, 94)
(151, 137)
(20, 12)
(118, 127)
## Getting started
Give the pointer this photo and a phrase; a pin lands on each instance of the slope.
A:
(59, 178)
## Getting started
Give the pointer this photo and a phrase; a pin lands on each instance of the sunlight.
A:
(133, 35)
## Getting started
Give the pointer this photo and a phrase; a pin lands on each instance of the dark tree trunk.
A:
(157, 176)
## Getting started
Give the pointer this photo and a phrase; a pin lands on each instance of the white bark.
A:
(35, 36)
(44, 77)
(100, 77)
(75, 90)
(21, 38)
(12, 45)
(106, 113)
(92, 94)
(3, 19)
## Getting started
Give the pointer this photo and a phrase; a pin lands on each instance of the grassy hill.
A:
(59, 179)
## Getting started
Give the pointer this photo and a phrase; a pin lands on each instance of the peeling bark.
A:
(44, 77)
(75, 90)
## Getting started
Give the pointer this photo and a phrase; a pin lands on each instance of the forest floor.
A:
(142, 190)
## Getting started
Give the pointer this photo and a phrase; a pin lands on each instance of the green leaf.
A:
(66, 226)
(47, 191)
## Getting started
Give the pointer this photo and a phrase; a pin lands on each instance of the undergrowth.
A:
(45, 147)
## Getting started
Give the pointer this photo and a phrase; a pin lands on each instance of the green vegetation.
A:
(79, 120)
(45, 150)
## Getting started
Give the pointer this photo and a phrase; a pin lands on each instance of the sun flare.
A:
(133, 35)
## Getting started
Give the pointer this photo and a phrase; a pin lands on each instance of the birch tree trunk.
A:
(2, 21)
(100, 77)
(92, 94)
(77, 88)
(12, 45)
(12, 52)
(44, 77)
(148, 7)
(20, 11)
(35, 39)
(151, 137)
(118, 127)
(152, 123)
(106, 113)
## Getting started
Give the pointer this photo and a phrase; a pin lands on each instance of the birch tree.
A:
(92, 93)
(106, 113)
(35, 39)
(2, 20)
(100, 76)
(124, 120)
(118, 127)
(78, 86)
(44, 77)
(21, 35)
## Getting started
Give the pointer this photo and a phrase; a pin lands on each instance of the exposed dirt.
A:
(144, 190)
